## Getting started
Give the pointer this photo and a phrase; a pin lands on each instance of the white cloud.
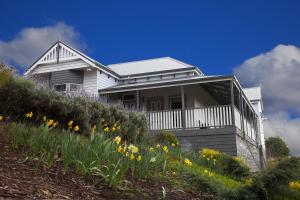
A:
(280, 124)
(31, 42)
(278, 73)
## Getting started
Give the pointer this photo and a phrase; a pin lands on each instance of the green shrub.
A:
(276, 179)
(166, 137)
(19, 96)
(232, 166)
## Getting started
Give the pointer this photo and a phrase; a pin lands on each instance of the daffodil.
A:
(205, 171)
(120, 149)
(113, 129)
(153, 159)
(173, 145)
(118, 127)
(188, 162)
(106, 130)
(158, 146)
(139, 158)
(210, 174)
(94, 129)
(117, 139)
(44, 118)
(29, 115)
(1, 118)
(76, 128)
(294, 185)
(70, 123)
(165, 149)
(174, 173)
(50, 122)
(126, 154)
(133, 149)
(131, 157)
(151, 149)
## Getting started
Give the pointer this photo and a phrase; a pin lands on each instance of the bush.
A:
(19, 96)
(277, 178)
(166, 137)
(232, 166)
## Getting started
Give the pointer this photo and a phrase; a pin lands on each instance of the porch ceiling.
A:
(220, 91)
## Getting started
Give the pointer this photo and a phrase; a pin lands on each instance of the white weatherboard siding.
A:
(90, 82)
(60, 66)
(105, 80)
(145, 66)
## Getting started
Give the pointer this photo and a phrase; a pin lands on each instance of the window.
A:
(68, 87)
(75, 87)
(60, 87)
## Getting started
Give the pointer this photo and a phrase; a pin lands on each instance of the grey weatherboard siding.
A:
(227, 140)
(66, 76)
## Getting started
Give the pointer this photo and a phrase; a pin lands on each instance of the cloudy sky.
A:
(257, 41)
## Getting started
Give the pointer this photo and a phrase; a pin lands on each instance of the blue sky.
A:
(214, 35)
(258, 41)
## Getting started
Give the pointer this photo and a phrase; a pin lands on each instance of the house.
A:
(202, 111)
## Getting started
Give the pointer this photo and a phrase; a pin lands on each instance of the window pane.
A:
(60, 88)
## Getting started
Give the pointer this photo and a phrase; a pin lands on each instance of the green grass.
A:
(99, 157)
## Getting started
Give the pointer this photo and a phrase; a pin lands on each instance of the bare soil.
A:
(22, 178)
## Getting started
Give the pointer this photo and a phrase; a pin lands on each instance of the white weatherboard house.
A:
(202, 111)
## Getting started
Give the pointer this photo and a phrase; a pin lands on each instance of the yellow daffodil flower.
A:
(188, 162)
(139, 158)
(173, 145)
(133, 148)
(165, 149)
(153, 159)
(1, 118)
(131, 157)
(70, 123)
(106, 130)
(50, 122)
(113, 129)
(117, 139)
(151, 149)
(120, 149)
(76, 128)
(158, 146)
(29, 115)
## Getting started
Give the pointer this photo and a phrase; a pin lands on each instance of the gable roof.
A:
(52, 55)
(150, 66)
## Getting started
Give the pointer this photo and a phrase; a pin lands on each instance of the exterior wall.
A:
(222, 139)
(104, 80)
(90, 82)
(75, 64)
(195, 96)
(42, 80)
(249, 153)
(66, 76)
